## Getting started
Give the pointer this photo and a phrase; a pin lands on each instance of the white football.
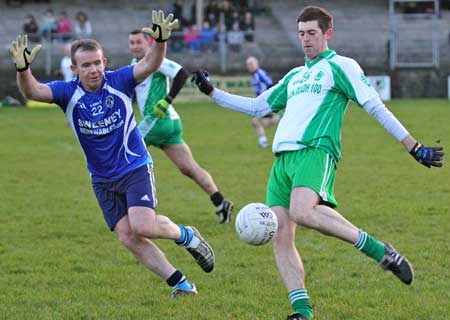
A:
(256, 224)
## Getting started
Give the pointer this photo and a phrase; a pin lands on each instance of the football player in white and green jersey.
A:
(161, 125)
(307, 146)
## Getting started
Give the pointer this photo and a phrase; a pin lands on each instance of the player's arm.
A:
(255, 107)
(428, 156)
(27, 83)
(160, 31)
(160, 108)
(177, 84)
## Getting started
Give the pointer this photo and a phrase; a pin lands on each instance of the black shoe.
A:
(224, 214)
(295, 316)
(396, 263)
(201, 251)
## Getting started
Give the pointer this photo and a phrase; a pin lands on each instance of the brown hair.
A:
(323, 17)
(139, 31)
(84, 44)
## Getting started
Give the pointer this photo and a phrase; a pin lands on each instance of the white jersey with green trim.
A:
(315, 97)
(156, 87)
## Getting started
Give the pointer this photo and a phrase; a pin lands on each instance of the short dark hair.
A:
(139, 31)
(84, 44)
(323, 17)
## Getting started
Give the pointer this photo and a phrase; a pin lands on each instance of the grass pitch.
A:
(59, 261)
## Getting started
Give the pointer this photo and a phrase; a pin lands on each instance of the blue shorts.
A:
(135, 189)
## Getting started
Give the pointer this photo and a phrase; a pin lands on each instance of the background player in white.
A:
(98, 105)
(66, 63)
(161, 125)
(261, 81)
(307, 147)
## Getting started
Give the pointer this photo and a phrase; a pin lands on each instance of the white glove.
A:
(20, 54)
(161, 27)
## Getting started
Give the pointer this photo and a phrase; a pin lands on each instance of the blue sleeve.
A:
(61, 91)
(123, 80)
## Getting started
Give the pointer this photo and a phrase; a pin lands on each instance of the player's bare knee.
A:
(126, 237)
(302, 216)
(144, 230)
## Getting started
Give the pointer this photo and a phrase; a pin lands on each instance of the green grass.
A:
(59, 261)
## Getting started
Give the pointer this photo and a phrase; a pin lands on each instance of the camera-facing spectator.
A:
(235, 38)
(227, 10)
(248, 26)
(212, 12)
(64, 26)
(207, 36)
(176, 41)
(31, 28)
(83, 28)
(48, 25)
(192, 38)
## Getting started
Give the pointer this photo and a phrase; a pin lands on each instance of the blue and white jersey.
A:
(261, 81)
(104, 123)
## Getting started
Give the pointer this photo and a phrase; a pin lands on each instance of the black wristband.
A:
(414, 149)
(168, 99)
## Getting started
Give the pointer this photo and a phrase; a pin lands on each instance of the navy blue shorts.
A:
(135, 189)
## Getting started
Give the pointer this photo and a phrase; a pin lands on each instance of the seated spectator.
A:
(48, 25)
(192, 38)
(235, 18)
(207, 36)
(212, 12)
(31, 28)
(248, 26)
(235, 38)
(177, 11)
(227, 10)
(83, 28)
(64, 27)
(176, 43)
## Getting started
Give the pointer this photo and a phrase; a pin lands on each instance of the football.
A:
(256, 224)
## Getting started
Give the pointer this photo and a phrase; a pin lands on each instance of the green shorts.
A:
(310, 167)
(165, 132)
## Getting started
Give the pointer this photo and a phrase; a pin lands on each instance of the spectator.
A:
(64, 26)
(66, 62)
(227, 10)
(83, 28)
(207, 36)
(192, 38)
(48, 26)
(248, 26)
(178, 13)
(176, 40)
(212, 12)
(235, 18)
(235, 38)
(31, 28)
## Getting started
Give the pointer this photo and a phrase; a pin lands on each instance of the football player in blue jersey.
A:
(98, 105)
(261, 81)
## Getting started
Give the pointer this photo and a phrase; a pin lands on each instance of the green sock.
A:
(370, 246)
(300, 302)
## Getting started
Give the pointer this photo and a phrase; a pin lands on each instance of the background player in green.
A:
(161, 125)
(307, 146)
